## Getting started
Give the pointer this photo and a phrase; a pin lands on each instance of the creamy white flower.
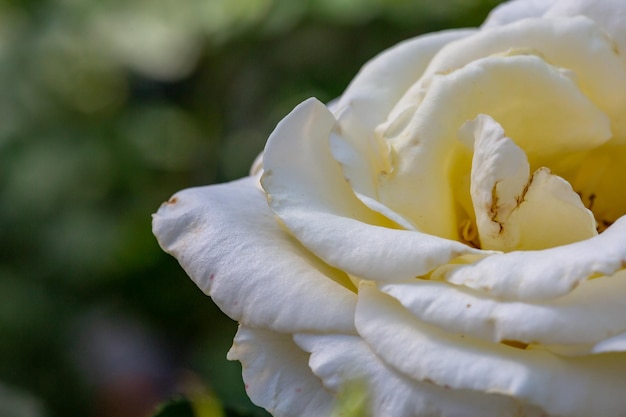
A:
(449, 231)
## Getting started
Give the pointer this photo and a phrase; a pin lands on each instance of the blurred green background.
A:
(106, 109)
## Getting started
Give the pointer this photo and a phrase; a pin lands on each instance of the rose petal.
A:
(577, 43)
(512, 210)
(366, 103)
(362, 161)
(600, 181)
(382, 81)
(499, 175)
(228, 241)
(277, 376)
(551, 214)
(549, 273)
(548, 116)
(594, 312)
(514, 10)
(614, 344)
(297, 158)
(340, 359)
(573, 387)
(609, 14)
(307, 191)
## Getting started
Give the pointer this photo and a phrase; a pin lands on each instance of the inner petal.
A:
(536, 103)
(578, 44)
(600, 182)
(515, 210)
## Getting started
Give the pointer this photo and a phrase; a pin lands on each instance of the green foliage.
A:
(180, 407)
(108, 108)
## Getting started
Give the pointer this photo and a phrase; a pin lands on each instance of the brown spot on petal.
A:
(515, 344)
(172, 200)
(592, 200)
(429, 381)
(602, 225)
(493, 209)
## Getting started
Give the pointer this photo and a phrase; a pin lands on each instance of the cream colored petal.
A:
(257, 165)
(382, 81)
(609, 14)
(600, 181)
(577, 44)
(300, 174)
(551, 214)
(614, 344)
(514, 211)
(538, 106)
(594, 312)
(277, 375)
(514, 10)
(228, 241)
(548, 273)
(366, 103)
(362, 156)
(499, 175)
(307, 191)
(339, 359)
(574, 387)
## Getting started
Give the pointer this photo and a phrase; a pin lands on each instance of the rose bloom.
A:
(448, 232)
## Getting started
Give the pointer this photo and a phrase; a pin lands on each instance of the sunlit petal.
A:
(573, 387)
(228, 241)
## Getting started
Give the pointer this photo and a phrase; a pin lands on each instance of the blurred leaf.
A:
(207, 406)
(14, 403)
(179, 407)
(203, 405)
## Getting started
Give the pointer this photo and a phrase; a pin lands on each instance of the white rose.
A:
(448, 231)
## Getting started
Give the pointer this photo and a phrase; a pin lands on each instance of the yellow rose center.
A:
(567, 181)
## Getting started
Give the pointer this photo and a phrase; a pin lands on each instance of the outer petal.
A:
(614, 344)
(515, 10)
(574, 387)
(595, 311)
(228, 241)
(549, 273)
(382, 81)
(339, 359)
(277, 375)
(306, 189)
